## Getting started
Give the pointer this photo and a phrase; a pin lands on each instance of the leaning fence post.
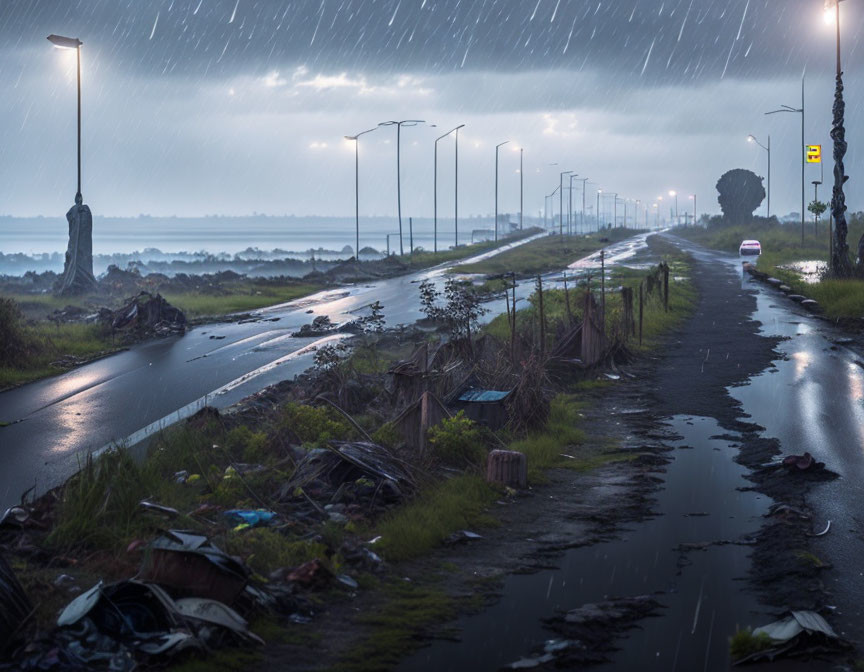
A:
(641, 309)
(665, 287)
(542, 317)
(603, 283)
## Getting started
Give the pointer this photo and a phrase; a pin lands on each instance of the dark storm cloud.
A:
(650, 42)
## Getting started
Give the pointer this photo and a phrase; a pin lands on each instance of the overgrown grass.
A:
(47, 343)
(240, 298)
(546, 254)
(744, 643)
(426, 521)
(408, 609)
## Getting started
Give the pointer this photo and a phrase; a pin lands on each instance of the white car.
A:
(750, 247)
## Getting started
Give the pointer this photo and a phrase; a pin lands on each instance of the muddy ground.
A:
(718, 347)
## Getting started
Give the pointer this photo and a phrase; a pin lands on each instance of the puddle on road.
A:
(704, 603)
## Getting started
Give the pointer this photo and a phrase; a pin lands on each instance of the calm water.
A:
(233, 234)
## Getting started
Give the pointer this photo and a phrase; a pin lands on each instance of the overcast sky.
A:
(196, 107)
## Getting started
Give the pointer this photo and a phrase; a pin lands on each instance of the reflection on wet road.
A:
(701, 590)
(156, 383)
(813, 400)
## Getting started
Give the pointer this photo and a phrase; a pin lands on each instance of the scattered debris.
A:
(15, 608)
(801, 633)
(192, 565)
(804, 462)
(244, 518)
(508, 468)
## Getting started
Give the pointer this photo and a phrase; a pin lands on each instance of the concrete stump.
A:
(508, 468)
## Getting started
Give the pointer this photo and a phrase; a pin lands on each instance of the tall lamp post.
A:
(456, 189)
(399, 125)
(73, 43)
(561, 199)
(752, 138)
(356, 139)
(584, 181)
(599, 192)
(570, 207)
(615, 211)
(78, 268)
(435, 187)
(840, 251)
(497, 147)
(674, 194)
(521, 186)
(693, 198)
(786, 108)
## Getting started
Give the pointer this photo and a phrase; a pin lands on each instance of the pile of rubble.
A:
(145, 316)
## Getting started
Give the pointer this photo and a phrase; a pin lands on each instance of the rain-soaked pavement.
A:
(810, 399)
(127, 396)
(700, 589)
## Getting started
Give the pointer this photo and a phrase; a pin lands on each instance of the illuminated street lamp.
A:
(435, 184)
(399, 125)
(561, 199)
(356, 139)
(78, 267)
(786, 108)
(752, 138)
(497, 147)
(675, 195)
(73, 43)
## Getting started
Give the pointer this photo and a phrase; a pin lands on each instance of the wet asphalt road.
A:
(811, 398)
(125, 397)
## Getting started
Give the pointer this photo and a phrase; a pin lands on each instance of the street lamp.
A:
(73, 43)
(561, 199)
(584, 181)
(521, 186)
(399, 125)
(435, 186)
(497, 147)
(675, 195)
(693, 198)
(840, 249)
(599, 192)
(570, 207)
(786, 108)
(752, 138)
(356, 139)
(656, 215)
(615, 211)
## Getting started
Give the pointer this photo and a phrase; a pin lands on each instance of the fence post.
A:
(641, 309)
(665, 287)
(567, 301)
(542, 317)
(603, 283)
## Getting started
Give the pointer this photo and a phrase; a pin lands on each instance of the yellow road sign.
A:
(814, 153)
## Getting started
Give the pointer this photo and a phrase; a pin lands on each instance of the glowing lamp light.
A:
(65, 42)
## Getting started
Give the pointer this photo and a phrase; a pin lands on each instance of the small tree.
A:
(374, 322)
(463, 308)
(818, 208)
(428, 300)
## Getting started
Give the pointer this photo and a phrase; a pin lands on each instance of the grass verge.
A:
(546, 254)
